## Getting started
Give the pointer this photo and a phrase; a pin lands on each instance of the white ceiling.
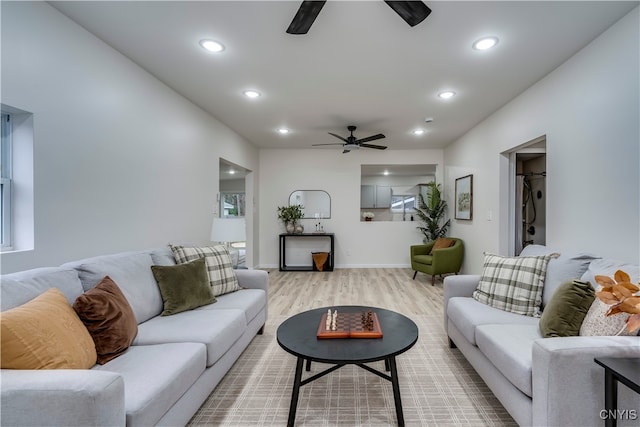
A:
(359, 64)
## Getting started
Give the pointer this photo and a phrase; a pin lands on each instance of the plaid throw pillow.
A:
(219, 266)
(513, 284)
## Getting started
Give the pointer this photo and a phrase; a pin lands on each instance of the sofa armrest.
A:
(61, 397)
(568, 386)
(461, 285)
(253, 279)
(421, 249)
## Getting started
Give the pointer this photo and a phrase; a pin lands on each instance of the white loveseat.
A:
(171, 368)
(540, 381)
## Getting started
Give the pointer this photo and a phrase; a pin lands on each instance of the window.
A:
(232, 205)
(5, 182)
(403, 203)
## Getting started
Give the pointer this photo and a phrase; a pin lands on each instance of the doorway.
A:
(530, 198)
(232, 206)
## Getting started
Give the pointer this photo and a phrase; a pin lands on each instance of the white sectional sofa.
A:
(173, 365)
(540, 381)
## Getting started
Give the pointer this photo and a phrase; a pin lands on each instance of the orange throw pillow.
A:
(45, 333)
(441, 243)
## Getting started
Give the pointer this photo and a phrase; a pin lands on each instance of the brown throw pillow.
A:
(108, 317)
(441, 243)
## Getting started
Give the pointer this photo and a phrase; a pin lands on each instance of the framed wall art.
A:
(464, 198)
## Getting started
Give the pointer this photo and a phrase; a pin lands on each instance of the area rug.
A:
(437, 385)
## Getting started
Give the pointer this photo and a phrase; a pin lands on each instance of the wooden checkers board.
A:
(349, 325)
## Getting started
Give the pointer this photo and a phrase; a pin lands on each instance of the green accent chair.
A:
(441, 261)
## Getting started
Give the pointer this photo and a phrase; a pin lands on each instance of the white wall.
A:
(588, 109)
(122, 162)
(358, 244)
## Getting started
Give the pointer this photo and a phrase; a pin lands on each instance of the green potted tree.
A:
(432, 213)
(289, 215)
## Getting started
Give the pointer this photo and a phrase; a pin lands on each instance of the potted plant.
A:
(368, 216)
(432, 213)
(289, 215)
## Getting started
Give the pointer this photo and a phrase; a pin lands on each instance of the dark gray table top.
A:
(297, 335)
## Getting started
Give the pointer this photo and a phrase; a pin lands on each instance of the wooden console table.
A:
(283, 251)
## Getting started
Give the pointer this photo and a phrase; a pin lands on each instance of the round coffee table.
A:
(297, 335)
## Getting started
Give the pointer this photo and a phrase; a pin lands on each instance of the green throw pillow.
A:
(563, 315)
(183, 286)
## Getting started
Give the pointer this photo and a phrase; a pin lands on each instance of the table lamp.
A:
(229, 230)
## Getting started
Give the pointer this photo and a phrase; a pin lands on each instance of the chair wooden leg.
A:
(433, 280)
(414, 274)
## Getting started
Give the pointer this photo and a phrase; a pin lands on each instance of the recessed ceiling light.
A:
(447, 94)
(251, 93)
(212, 45)
(418, 131)
(283, 131)
(485, 43)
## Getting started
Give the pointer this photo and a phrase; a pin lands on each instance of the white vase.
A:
(299, 229)
(290, 227)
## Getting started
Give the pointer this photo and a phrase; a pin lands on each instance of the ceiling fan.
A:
(352, 143)
(413, 12)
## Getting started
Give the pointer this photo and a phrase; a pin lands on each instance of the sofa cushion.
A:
(568, 266)
(219, 265)
(155, 377)
(218, 330)
(132, 272)
(108, 317)
(509, 348)
(184, 286)
(513, 283)
(250, 301)
(162, 256)
(423, 259)
(45, 333)
(563, 315)
(21, 287)
(467, 314)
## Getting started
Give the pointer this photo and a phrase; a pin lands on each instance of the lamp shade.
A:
(228, 230)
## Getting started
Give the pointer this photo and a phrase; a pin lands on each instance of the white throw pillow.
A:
(219, 266)
(513, 284)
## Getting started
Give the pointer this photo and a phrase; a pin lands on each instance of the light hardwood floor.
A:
(391, 288)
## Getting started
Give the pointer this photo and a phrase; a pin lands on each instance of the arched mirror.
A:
(316, 203)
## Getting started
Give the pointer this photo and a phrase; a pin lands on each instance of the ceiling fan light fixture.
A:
(447, 94)
(212, 45)
(485, 43)
(251, 93)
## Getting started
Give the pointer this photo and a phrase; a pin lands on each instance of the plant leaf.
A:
(631, 305)
(604, 280)
(621, 276)
(633, 323)
(621, 292)
(607, 297)
(614, 309)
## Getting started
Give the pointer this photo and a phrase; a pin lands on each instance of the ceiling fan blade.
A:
(339, 137)
(335, 143)
(370, 138)
(307, 13)
(413, 12)
(377, 147)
